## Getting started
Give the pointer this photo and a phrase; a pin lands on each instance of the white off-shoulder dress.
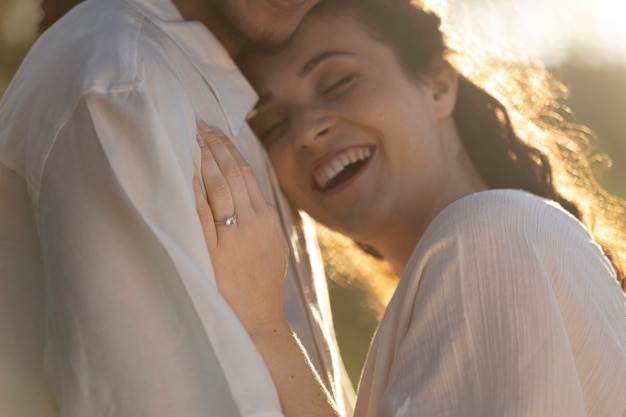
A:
(507, 308)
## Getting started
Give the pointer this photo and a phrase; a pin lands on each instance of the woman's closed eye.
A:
(340, 86)
(269, 133)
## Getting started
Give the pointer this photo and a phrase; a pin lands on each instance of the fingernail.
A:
(201, 142)
(203, 126)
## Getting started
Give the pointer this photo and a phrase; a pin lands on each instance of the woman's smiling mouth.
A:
(341, 167)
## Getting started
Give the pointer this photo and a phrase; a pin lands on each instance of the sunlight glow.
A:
(593, 31)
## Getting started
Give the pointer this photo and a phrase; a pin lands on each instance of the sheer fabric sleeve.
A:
(498, 318)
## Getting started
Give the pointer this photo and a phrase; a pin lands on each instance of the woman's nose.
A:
(313, 129)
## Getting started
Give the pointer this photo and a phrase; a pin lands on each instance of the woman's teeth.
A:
(325, 173)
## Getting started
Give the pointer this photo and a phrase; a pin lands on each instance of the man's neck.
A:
(200, 11)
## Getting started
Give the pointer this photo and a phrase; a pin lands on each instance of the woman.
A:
(506, 306)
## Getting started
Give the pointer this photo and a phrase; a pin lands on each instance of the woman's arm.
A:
(250, 259)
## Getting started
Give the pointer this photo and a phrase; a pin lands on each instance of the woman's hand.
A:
(250, 260)
(246, 243)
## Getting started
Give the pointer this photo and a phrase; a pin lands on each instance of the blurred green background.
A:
(582, 41)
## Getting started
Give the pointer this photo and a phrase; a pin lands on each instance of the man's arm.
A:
(23, 389)
(135, 325)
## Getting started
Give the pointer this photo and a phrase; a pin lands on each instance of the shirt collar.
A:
(232, 90)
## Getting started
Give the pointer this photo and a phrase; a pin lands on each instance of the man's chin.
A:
(262, 32)
(263, 47)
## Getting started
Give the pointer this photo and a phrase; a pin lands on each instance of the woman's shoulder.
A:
(512, 233)
(491, 242)
(506, 204)
(507, 211)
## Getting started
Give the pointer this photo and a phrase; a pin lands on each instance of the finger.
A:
(228, 165)
(204, 212)
(254, 190)
(217, 188)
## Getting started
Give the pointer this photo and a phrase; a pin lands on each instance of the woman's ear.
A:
(443, 80)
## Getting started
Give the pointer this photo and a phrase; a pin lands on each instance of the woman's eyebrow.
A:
(306, 68)
(316, 60)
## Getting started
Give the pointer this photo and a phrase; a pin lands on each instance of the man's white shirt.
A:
(108, 303)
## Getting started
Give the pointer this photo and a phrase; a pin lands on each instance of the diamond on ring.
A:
(229, 222)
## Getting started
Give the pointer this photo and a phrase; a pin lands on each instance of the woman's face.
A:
(354, 140)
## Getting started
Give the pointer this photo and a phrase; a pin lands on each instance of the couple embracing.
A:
(145, 236)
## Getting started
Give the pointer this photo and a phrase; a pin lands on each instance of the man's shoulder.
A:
(92, 47)
(95, 41)
(99, 47)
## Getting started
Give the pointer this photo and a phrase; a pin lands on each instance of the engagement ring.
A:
(229, 222)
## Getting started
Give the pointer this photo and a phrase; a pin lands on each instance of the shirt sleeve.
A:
(134, 323)
(485, 334)
(23, 388)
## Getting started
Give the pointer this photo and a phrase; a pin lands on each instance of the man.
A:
(108, 303)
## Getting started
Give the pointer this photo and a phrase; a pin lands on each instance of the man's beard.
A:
(244, 35)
